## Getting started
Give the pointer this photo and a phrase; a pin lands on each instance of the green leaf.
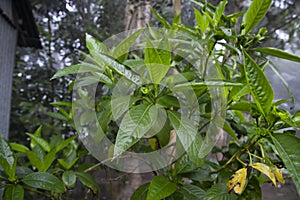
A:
(157, 59)
(45, 181)
(35, 160)
(278, 53)
(205, 84)
(194, 151)
(56, 115)
(141, 192)
(120, 69)
(255, 13)
(69, 179)
(48, 160)
(94, 45)
(42, 142)
(135, 124)
(160, 187)
(121, 104)
(185, 130)
(184, 165)
(259, 85)
(65, 143)
(288, 148)
(219, 11)
(120, 52)
(193, 192)
(161, 19)
(18, 147)
(13, 192)
(87, 180)
(219, 192)
(7, 159)
(201, 20)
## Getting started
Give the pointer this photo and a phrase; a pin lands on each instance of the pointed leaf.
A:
(94, 45)
(266, 170)
(87, 180)
(121, 51)
(201, 20)
(42, 142)
(278, 53)
(259, 85)
(255, 13)
(45, 181)
(160, 187)
(219, 11)
(161, 19)
(157, 59)
(288, 148)
(135, 124)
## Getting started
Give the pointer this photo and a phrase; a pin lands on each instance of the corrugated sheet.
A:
(5, 6)
(8, 36)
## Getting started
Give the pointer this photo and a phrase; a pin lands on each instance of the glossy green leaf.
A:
(94, 45)
(193, 192)
(157, 59)
(184, 165)
(255, 13)
(13, 192)
(160, 187)
(87, 180)
(278, 53)
(45, 181)
(69, 179)
(201, 20)
(119, 68)
(135, 124)
(141, 192)
(219, 11)
(288, 148)
(48, 160)
(42, 142)
(35, 160)
(219, 192)
(120, 52)
(259, 85)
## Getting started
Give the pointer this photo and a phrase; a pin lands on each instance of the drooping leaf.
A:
(237, 181)
(135, 124)
(13, 192)
(69, 179)
(255, 13)
(288, 148)
(87, 180)
(160, 187)
(278, 175)
(259, 85)
(193, 192)
(45, 181)
(120, 52)
(141, 192)
(265, 169)
(278, 53)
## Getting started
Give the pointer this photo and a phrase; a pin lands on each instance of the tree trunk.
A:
(137, 14)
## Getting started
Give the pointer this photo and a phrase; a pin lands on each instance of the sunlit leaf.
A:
(265, 169)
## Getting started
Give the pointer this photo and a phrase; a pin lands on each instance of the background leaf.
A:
(13, 192)
(288, 148)
(193, 192)
(278, 53)
(219, 192)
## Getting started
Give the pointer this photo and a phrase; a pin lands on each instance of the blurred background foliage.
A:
(62, 26)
